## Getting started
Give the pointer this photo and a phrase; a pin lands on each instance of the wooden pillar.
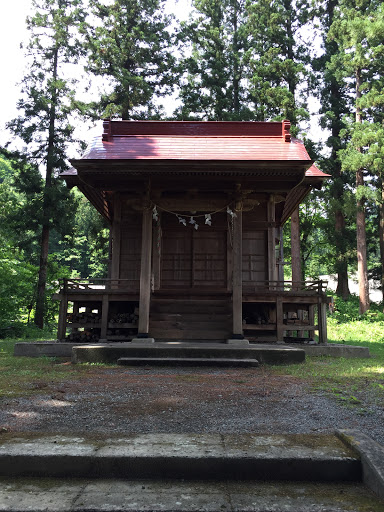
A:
(279, 319)
(281, 265)
(104, 318)
(271, 218)
(145, 273)
(322, 318)
(61, 331)
(237, 277)
(295, 249)
(311, 320)
(116, 237)
(156, 258)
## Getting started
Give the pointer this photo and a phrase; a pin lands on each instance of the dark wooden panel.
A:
(209, 259)
(255, 261)
(194, 258)
(130, 253)
(256, 215)
(176, 261)
(193, 128)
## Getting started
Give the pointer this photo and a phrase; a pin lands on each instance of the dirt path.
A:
(143, 400)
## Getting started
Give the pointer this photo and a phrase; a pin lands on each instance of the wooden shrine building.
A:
(196, 212)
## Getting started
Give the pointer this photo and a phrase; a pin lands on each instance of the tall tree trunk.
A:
(381, 235)
(39, 315)
(342, 289)
(295, 246)
(361, 237)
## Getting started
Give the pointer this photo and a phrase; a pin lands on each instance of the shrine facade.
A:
(196, 211)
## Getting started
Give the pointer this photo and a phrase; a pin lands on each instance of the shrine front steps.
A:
(190, 319)
(190, 473)
(184, 353)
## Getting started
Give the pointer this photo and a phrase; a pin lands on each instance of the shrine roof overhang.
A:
(131, 151)
(129, 147)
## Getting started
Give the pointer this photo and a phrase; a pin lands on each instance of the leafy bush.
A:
(348, 311)
(23, 331)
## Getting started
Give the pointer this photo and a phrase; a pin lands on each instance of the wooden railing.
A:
(98, 284)
(306, 287)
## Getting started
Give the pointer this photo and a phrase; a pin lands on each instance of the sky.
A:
(13, 32)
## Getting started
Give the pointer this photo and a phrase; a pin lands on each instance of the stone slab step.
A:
(106, 495)
(187, 361)
(174, 333)
(111, 352)
(182, 456)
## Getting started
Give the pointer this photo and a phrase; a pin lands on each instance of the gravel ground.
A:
(118, 400)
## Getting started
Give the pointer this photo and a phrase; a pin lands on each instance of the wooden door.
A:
(194, 258)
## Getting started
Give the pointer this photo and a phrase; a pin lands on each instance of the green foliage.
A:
(17, 286)
(85, 252)
(278, 59)
(129, 44)
(244, 61)
(347, 311)
(214, 68)
(46, 104)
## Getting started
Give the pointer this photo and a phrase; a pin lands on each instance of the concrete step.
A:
(187, 361)
(190, 473)
(182, 456)
(193, 333)
(111, 352)
(107, 495)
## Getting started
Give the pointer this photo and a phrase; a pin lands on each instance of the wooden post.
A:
(116, 237)
(156, 258)
(279, 319)
(281, 265)
(322, 318)
(61, 331)
(295, 250)
(237, 278)
(271, 239)
(145, 273)
(311, 320)
(104, 318)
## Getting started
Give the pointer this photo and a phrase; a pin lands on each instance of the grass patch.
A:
(23, 376)
(351, 381)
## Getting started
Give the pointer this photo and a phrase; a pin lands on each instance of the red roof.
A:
(315, 171)
(158, 140)
(188, 141)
